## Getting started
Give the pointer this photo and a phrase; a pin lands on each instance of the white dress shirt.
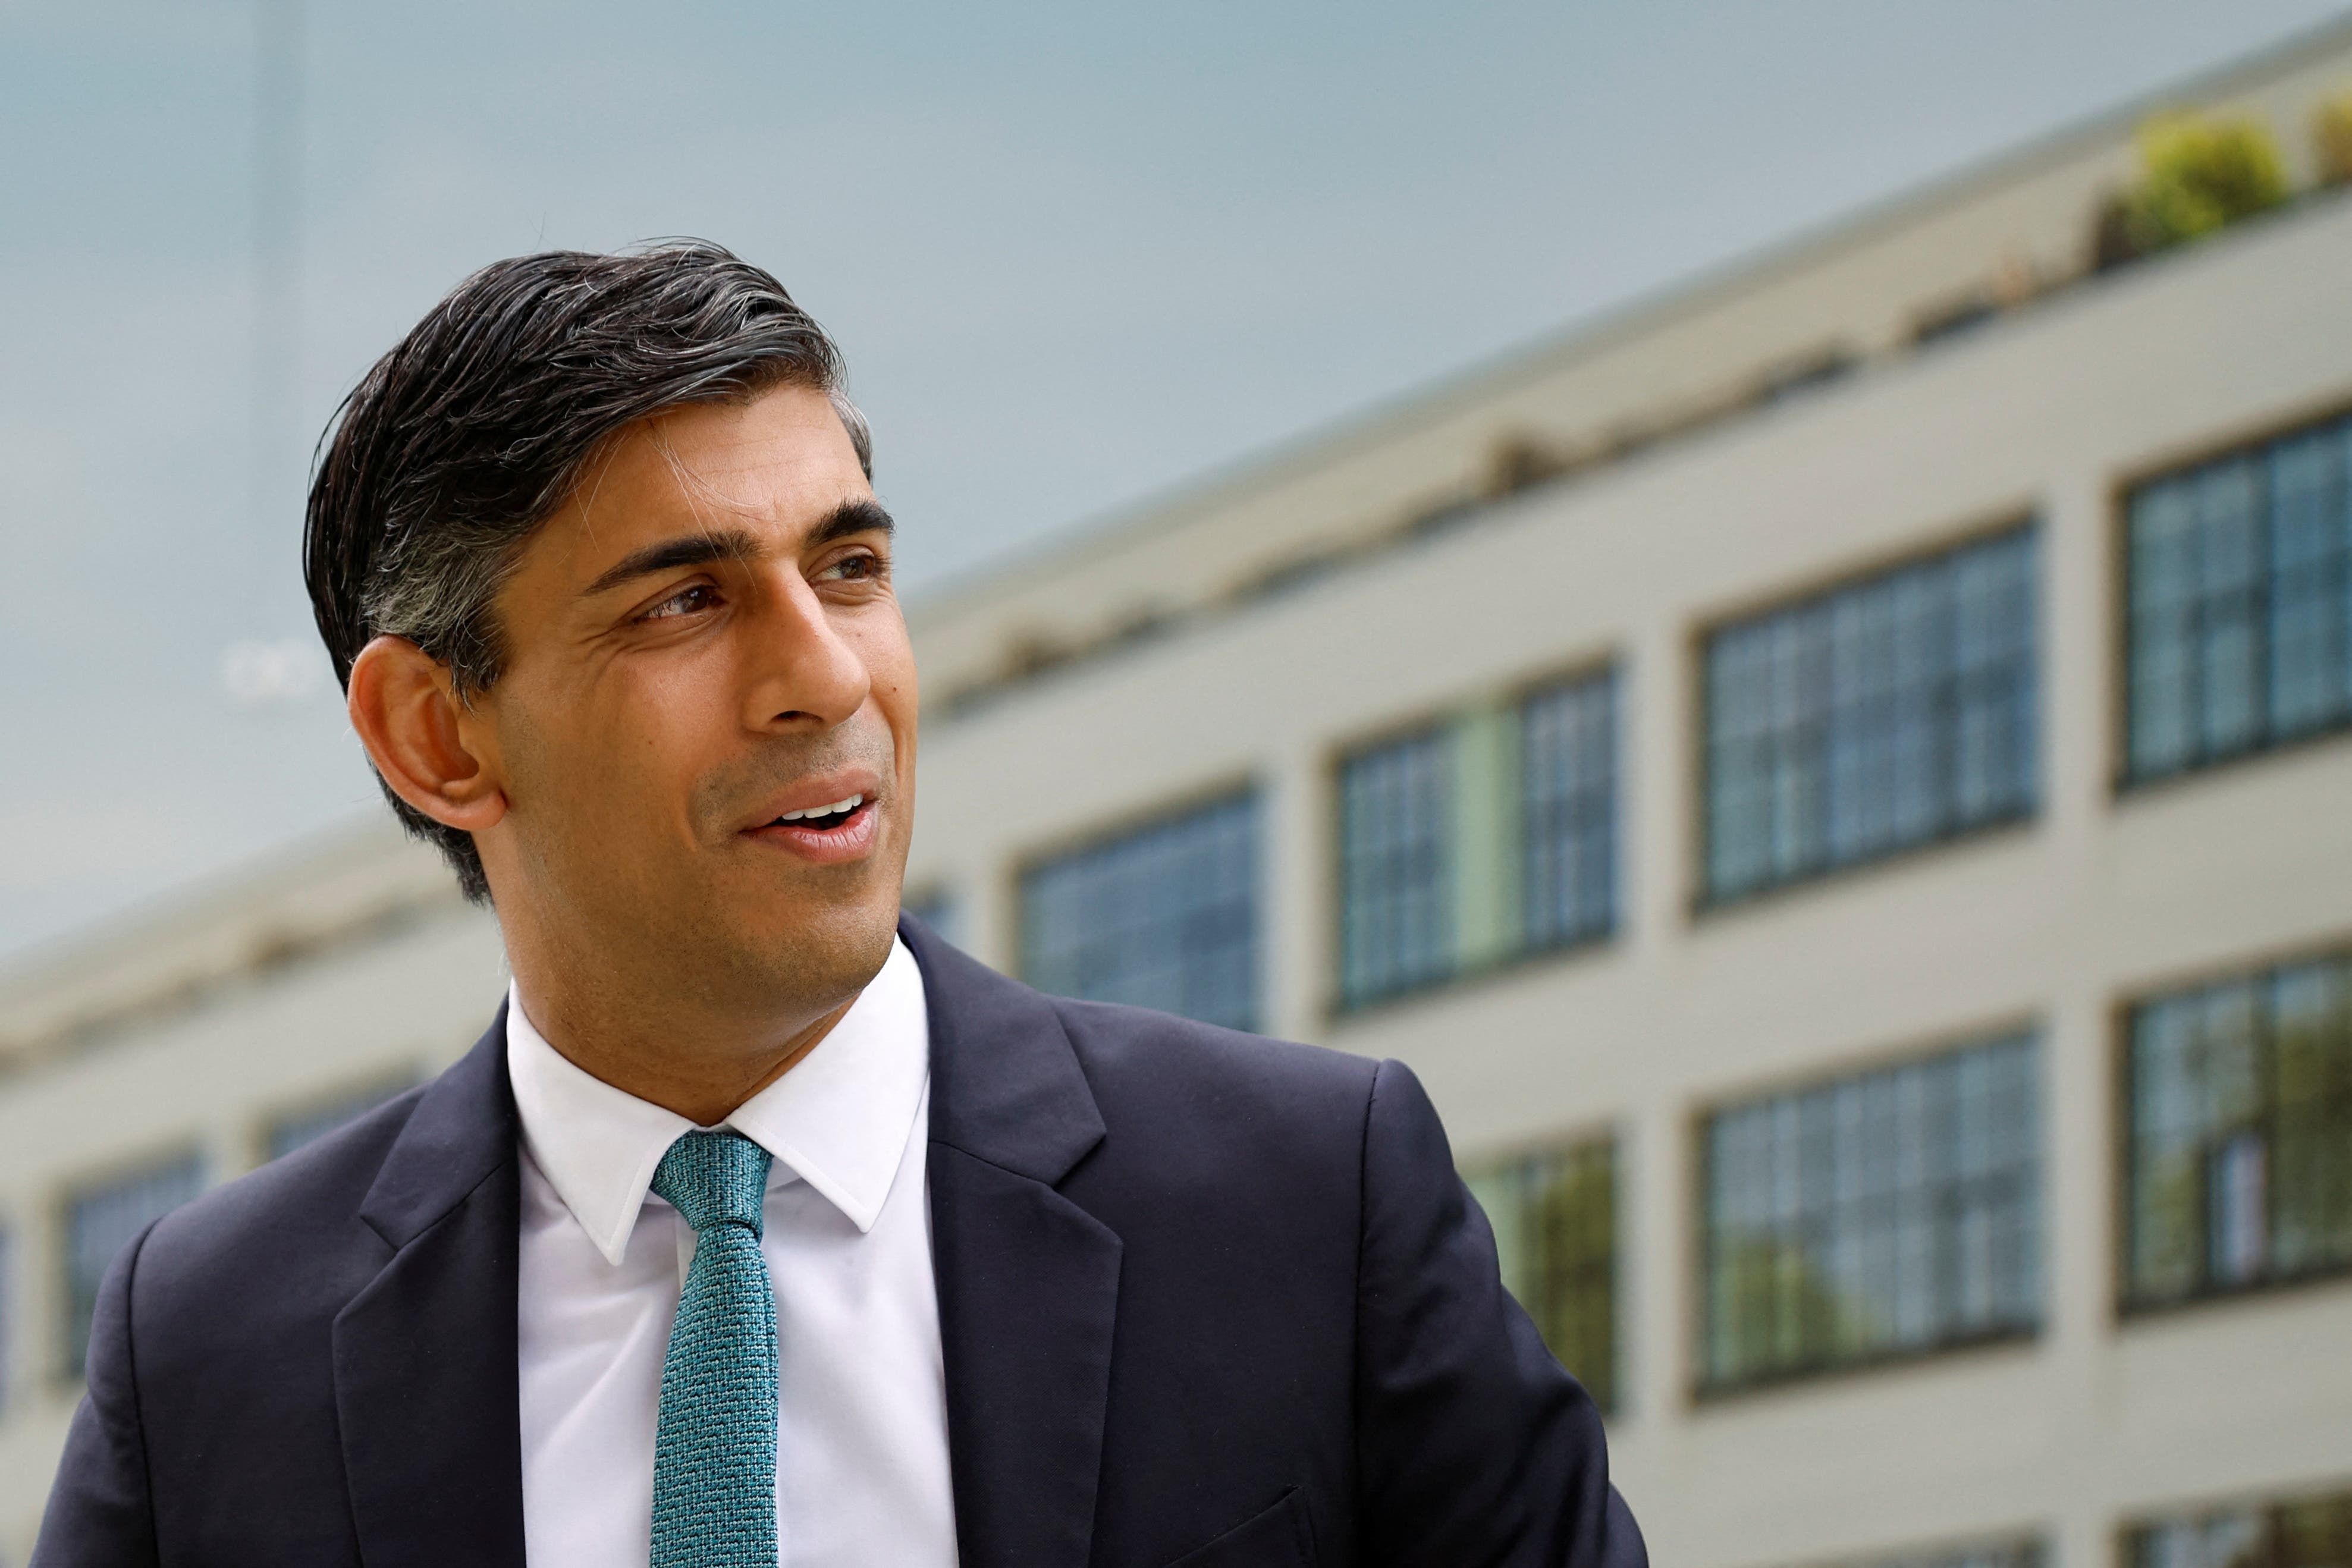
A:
(861, 1428)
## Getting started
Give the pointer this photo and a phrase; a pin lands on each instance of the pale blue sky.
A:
(1075, 253)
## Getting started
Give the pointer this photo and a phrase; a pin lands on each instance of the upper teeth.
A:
(850, 804)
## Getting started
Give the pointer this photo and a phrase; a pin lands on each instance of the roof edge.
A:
(1328, 440)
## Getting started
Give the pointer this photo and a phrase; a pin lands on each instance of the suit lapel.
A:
(426, 1390)
(1028, 1281)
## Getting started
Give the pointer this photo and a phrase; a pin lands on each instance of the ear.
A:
(428, 746)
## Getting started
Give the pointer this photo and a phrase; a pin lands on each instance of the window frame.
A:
(2126, 1304)
(1230, 789)
(1609, 673)
(2270, 1506)
(2027, 516)
(1432, 725)
(2244, 438)
(2033, 1026)
(69, 1370)
(1612, 1140)
(1608, 661)
(2025, 1548)
(14, 1297)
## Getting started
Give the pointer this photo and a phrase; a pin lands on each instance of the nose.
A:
(803, 675)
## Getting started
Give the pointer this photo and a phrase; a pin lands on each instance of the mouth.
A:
(841, 829)
(822, 819)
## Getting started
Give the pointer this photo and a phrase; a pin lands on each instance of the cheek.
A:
(659, 725)
(608, 751)
(890, 667)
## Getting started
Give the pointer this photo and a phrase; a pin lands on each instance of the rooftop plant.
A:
(2201, 174)
(2331, 139)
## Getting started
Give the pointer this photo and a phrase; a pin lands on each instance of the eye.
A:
(861, 566)
(684, 601)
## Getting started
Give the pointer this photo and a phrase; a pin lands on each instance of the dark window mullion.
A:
(2265, 1066)
(2264, 604)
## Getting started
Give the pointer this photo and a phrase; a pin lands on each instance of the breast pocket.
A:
(1280, 1537)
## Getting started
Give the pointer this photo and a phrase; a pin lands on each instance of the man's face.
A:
(704, 655)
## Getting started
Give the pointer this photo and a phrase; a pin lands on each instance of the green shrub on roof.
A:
(2331, 139)
(2201, 175)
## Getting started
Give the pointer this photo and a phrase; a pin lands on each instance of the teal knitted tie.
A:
(715, 1448)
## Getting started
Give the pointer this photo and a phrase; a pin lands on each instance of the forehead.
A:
(776, 464)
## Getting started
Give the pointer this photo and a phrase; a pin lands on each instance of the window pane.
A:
(1555, 1220)
(2310, 521)
(1739, 829)
(1569, 800)
(2239, 615)
(1165, 917)
(2301, 1533)
(2311, 1090)
(100, 1221)
(1501, 1193)
(7, 1317)
(2229, 635)
(1883, 715)
(1396, 868)
(1989, 1554)
(2240, 1139)
(2313, 1533)
(1887, 1213)
(292, 1131)
(2163, 614)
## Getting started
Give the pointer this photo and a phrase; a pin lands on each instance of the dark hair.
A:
(465, 437)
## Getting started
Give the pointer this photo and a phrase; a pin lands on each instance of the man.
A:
(763, 1227)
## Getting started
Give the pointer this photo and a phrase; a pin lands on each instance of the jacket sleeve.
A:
(1474, 1448)
(100, 1513)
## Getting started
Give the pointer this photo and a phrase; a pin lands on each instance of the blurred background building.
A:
(1840, 781)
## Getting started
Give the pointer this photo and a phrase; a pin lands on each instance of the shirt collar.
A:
(839, 1120)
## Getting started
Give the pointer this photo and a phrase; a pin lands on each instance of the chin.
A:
(831, 951)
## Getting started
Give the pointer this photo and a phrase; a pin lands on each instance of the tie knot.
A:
(715, 1178)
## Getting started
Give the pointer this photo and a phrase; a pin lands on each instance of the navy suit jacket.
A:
(1204, 1300)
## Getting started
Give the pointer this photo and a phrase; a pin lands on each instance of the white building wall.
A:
(2056, 923)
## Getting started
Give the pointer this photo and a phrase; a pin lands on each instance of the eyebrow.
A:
(856, 516)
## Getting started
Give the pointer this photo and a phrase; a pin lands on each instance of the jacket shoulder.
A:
(1201, 1120)
(1181, 1065)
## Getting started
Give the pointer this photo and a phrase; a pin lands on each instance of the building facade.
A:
(1840, 782)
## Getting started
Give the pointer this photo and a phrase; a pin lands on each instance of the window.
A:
(290, 1131)
(2239, 1163)
(1480, 838)
(1164, 916)
(1568, 798)
(7, 1317)
(2238, 600)
(1885, 715)
(1982, 1554)
(100, 1221)
(1396, 867)
(1890, 1213)
(2309, 1532)
(1555, 1219)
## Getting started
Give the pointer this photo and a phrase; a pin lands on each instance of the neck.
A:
(688, 1060)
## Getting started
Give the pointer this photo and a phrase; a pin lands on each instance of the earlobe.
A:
(423, 740)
